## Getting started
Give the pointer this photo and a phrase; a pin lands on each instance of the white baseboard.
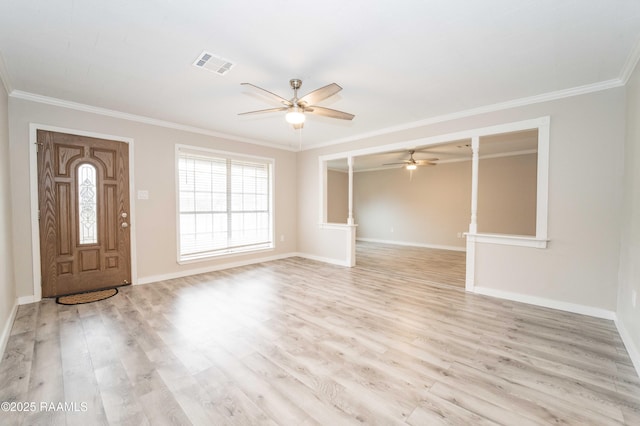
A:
(220, 267)
(338, 262)
(25, 300)
(632, 349)
(6, 330)
(411, 244)
(547, 303)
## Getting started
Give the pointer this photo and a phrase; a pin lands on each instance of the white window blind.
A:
(224, 205)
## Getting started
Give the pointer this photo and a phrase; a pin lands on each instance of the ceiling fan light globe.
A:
(411, 167)
(294, 117)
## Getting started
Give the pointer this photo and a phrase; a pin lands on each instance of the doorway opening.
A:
(441, 195)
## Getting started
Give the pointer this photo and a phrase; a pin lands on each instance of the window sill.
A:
(222, 255)
(509, 240)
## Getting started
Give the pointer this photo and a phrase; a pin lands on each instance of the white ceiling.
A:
(399, 62)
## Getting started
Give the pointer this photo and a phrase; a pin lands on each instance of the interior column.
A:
(350, 220)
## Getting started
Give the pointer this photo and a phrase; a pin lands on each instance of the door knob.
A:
(125, 225)
(123, 214)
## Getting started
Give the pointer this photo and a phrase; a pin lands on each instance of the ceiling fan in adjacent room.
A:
(297, 107)
(412, 164)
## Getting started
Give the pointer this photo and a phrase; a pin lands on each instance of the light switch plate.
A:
(143, 194)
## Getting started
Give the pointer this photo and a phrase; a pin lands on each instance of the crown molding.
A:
(631, 63)
(19, 94)
(4, 75)
(545, 97)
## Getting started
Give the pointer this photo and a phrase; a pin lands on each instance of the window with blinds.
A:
(224, 204)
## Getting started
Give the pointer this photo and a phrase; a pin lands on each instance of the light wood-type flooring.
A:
(441, 266)
(298, 342)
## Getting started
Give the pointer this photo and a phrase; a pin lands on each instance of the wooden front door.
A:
(83, 197)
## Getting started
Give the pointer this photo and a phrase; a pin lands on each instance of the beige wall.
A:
(580, 265)
(337, 196)
(7, 283)
(507, 195)
(432, 205)
(630, 235)
(429, 206)
(154, 171)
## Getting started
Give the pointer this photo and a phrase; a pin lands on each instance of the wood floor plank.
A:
(438, 411)
(443, 266)
(479, 406)
(270, 400)
(295, 341)
(235, 406)
(47, 380)
(78, 374)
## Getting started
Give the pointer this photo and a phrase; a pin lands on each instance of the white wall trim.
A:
(509, 240)
(547, 303)
(19, 94)
(412, 244)
(545, 97)
(6, 330)
(632, 349)
(451, 160)
(631, 63)
(490, 156)
(213, 268)
(25, 300)
(534, 123)
(33, 189)
(333, 225)
(229, 265)
(4, 75)
(328, 260)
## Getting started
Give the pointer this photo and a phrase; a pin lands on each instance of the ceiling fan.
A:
(297, 107)
(412, 164)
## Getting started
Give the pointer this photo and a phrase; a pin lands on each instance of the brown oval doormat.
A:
(91, 296)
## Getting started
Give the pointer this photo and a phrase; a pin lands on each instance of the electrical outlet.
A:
(392, 229)
(282, 238)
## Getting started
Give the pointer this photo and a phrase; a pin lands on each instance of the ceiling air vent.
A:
(213, 63)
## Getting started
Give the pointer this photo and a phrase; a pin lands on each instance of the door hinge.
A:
(38, 214)
(38, 145)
